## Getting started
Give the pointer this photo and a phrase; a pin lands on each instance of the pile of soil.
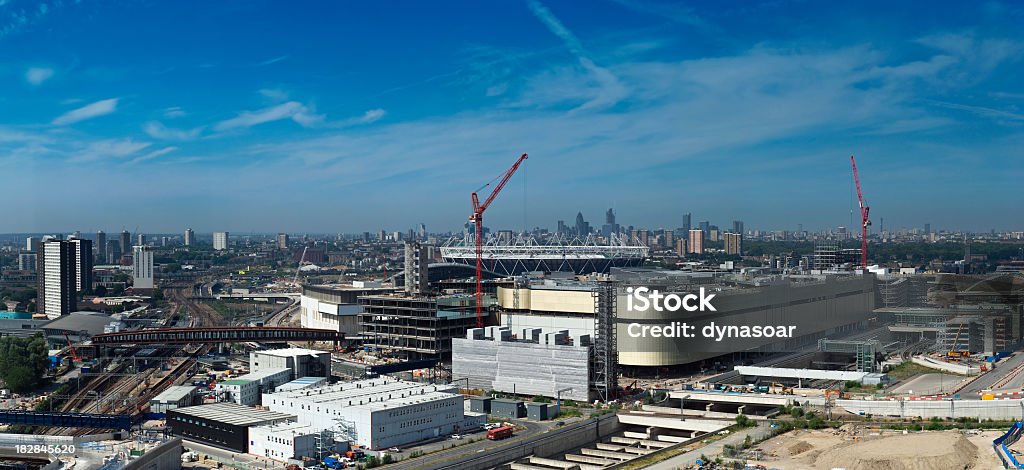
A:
(921, 451)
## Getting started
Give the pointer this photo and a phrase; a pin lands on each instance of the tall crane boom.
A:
(864, 221)
(477, 219)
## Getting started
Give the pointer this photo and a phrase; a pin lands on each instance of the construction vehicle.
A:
(477, 219)
(955, 353)
(864, 221)
(780, 389)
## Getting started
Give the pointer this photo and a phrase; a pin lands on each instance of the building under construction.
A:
(417, 327)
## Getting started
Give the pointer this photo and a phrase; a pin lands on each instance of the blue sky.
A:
(353, 116)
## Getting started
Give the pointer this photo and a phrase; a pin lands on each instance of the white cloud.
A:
(609, 89)
(37, 75)
(109, 148)
(273, 61)
(89, 111)
(275, 94)
(153, 154)
(293, 110)
(174, 112)
(372, 115)
(157, 130)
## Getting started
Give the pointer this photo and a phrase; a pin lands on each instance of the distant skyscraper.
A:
(733, 243)
(142, 267)
(220, 240)
(282, 241)
(609, 226)
(125, 242)
(415, 269)
(26, 261)
(164, 241)
(645, 237)
(696, 241)
(670, 239)
(101, 247)
(423, 231)
(927, 229)
(83, 264)
(140, 239)
(56, 278)
(30, 244)
(190, 237)
(582, 227)
(687, 223)
(737, 227)
(705, 227)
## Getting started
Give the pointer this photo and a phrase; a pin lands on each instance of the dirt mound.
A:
(798, 447)
(922, 451)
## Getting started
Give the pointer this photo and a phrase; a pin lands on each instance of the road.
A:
(251, 461)
(449, 456)
(713, 449)
(986, 381)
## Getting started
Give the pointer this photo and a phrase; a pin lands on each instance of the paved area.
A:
(711, 450)
(929, 384)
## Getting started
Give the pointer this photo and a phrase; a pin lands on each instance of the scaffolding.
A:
(606, 356)
(826, 255)
(864, 352)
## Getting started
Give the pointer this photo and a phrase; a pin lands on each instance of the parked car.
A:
(455, 437)
(395, 450)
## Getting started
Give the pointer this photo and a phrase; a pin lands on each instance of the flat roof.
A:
(262, 374)
(291, 352)
(92, 322)
(376, 391)
(234, 414)
(174, 393)
(234, 382)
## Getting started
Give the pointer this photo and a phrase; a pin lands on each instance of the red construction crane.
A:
(74, 356)
(477, 219)
(864, 221)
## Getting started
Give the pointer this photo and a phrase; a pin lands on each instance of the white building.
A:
(302, 362)
(220, 240)
(176, 396)
(334, 307)
(246, 389)
(190, 237)
(283, 441)
(303, 383)
(378, 413)
(57, 278)
(142, 267)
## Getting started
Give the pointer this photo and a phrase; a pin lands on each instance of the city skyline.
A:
(148, 115)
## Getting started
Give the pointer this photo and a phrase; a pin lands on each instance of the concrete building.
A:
(247, 389)
(334, 307)
(534, 364)
(418, 327)
(301, 362)
(220, 240)
(223, 425)
(100, 247)
(284, 441)
(30, 244)
(282, 241)
(140, 239)
(56, 277)
(83, 264)
(733, 243)
(142, 267)
(125, 242)
(190, 237)
(696, 241)
(378, 413)
(415, 268)
(175, 396)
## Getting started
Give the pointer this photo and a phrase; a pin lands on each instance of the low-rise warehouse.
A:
(302, 362)
(176, 396)
(224, 425)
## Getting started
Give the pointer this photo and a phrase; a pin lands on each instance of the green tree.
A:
(23, 361)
